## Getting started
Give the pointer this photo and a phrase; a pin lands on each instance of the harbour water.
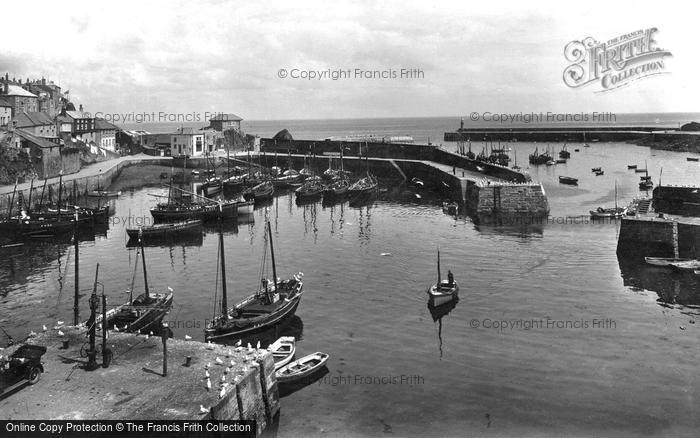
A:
(553, 335)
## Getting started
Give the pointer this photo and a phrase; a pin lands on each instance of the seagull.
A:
(418, 196)
(147, 336)
(232, 363)
(258, 346)
(229, 353)
(59, 322)
(206, 367)
(203, 410)
(219, 361)
(206, 373)
(33, 333)
(60, 333)
(208, 384)
(227, 370)
(238, 344)
(151, 333)
(126, 326)
(223, 378)
(44, 327)
(249, 347)
(188, 337)
(385, 254)
(116, 329)
(222, 393)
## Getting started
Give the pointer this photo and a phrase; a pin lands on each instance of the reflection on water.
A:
(674, 288)
(439, 312)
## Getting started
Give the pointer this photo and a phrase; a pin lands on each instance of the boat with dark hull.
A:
(260, 192)
(311, 190)
(568, 180)
(272, 305)
(179, 212)
(165, 229)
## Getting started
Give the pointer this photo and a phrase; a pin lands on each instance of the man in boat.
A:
(450, 279)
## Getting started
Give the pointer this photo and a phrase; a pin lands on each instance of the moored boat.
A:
(443, 291)
(596, 169)
(301, 368)
(165, 229)
(665, 261)
(283, 350)
(272, 305)
(311, 189)
(260, 192)
(688, 265)
(631, 166)
(692, 159)
(568, 180)
(336, 190)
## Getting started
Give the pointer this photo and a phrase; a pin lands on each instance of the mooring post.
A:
(164, 337)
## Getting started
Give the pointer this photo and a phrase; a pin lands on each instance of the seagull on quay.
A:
(44, 327)
(203, 410)
(219, 361)
(206, 373)
(238, 344)
(222, 393)
(208, 384)
(188, 337)
(258, 346)
(116, 329)
(60, 333)
(59, 322)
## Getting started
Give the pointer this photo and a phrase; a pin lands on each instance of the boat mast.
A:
(143, 262)
(272, 254)
(439, 276)
(12, 202)
(224, 301)
(60, 192)
(43, 189)
(29, 203)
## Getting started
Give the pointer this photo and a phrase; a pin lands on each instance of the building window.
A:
(198, 143)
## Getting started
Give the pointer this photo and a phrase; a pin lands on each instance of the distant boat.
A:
(693, 159)
(645, 182)
(550, 163)
(664, 261)
(103, 194)
(599, 173)
(561, 160)
(302, 368)
(596, 169)
(283, 351)
(631, 166)
(443, 291)
(310, 190)
(577, 150)
(568, 180)
(637, 170)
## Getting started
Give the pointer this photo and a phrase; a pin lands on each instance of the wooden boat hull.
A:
(260, 193)
(103, 194)
(442, 295)
(608, 213)
(166, 229)
(686, 266)
(692, 159)
(664, 261)
(631, 166)
(145, 319)
(204, 213)
(283, 351)
(568, 180)
(250, 326)
(301, 368)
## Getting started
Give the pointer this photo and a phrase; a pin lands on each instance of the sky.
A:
(198, 57)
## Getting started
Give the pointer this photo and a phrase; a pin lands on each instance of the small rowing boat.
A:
(596, 169)
(664, 261)
(302, 368)
(443, 291)
(631, 166)
(689, 265)
(282, 351)
(693, 159)
(568, 180)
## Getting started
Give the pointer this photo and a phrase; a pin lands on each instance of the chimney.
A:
(81, 108)
(7, 88)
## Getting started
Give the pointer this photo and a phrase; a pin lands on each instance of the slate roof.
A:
(27, 120)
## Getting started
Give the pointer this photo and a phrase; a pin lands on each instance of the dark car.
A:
(21, 367)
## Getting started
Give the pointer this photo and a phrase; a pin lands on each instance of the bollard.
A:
(188, 360)
(66, 342)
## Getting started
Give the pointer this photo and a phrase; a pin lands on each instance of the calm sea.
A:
(552, 336)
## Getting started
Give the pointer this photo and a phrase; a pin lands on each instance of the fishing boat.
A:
(568, 180)
(577, 150)
(165, 229)
(261, 192)
(143, 313)
(212, 186)
(561, 160)
(692, 159)
(443, 291)
(585, 145)
(301, 368)
(364, 186)
(272, 305)
(599, 173)
(289, 178)
(537, 158)
(596, 169)
(685, 266)
(563, 153)
(631, 166)
(638, 170)
(551, 163)
(312, 189)
(283, 350)
(609, 213)
(338, 189)
(665, 261)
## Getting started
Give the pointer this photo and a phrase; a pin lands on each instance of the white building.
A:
(187, 141)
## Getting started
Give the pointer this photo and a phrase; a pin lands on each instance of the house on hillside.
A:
(49, 158)
(157, 144)
(19, 98)
(5, 111)
(187, 142)
(39, 124)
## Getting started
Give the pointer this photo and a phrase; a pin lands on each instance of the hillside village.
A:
(42, 134)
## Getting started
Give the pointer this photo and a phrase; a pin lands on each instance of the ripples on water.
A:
(366, 271)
